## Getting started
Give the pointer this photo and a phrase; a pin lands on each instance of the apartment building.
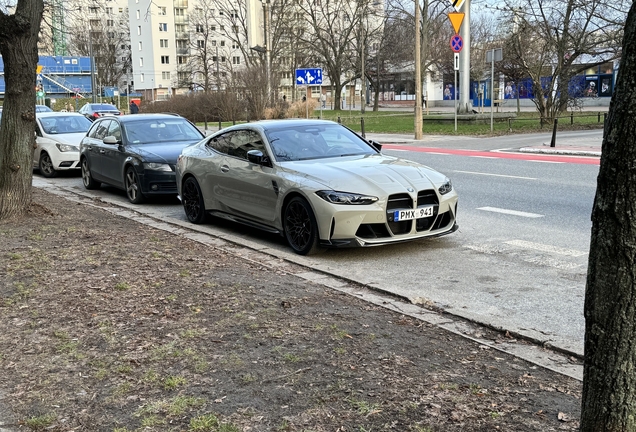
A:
(180, 46)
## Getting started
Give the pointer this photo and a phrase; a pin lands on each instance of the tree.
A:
(609, 380)
(558, 39)
(109, 34)
(19, 31)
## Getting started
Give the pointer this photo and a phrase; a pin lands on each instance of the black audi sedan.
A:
(136, 153)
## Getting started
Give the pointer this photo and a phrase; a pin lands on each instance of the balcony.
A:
(183, 51)
(180, 3)
(181, 19)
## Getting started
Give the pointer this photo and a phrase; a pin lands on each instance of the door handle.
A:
(225, 168)
(102, 151)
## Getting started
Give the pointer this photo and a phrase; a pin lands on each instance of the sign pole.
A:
(320, 101)
(455, 89)
(492, 89)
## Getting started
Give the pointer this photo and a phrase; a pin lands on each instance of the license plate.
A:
(418, 213)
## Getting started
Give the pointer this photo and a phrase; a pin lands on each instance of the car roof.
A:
(57, 114)
(139, 117)
(267, 125)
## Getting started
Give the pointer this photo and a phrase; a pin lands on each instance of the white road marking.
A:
(485, 157)
(546, 248)
(496, 175)
(510, 212)
(545, 161)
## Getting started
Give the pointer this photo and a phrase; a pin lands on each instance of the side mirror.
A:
(376, 145)
(257, 157)
(111, 140)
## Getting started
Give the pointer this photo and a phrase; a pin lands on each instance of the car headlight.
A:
(66, 147)
(157, 166)
(446, 187)
(335, 197)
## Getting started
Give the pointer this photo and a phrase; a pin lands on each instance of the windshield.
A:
(304, 142)
(156, 131)
(65, 124)
(104, 107)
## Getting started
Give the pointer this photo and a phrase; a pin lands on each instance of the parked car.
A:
(42, 108)
(136, 153)
(58, 135)
(93, 111)
(315, 182)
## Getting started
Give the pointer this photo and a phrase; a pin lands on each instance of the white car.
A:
(58, 135)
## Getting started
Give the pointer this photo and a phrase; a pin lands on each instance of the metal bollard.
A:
(571, 117)
(339, 121)
(553, 142)
(362, 127)
(599, 117)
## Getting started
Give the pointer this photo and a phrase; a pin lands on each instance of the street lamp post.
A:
(92, 58)
(268, 47)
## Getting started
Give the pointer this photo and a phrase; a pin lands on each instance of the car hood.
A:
(160, 153)
(366, 174)
(67, 138)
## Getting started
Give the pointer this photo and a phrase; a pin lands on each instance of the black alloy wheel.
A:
(193, 201)
(301, 229)
(133, 187)
(46, 166)
(87, 178)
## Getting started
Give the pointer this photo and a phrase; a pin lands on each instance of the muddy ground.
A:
(110, 325)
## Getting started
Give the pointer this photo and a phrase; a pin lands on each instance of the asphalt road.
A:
(518, 262)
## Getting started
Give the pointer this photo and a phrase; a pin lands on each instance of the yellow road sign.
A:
(38, 69)
(456, 19)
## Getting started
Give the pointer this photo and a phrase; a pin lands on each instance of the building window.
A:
(138, 13)
(181, 59)
(124, 59)
(213, 28)
(199, 28)
(222, 43)
(141, 61)
(141, 77)
(93, 10)
(165, 59)
(140, 46)
(179, 28)
(179, 12)
(222, 59)
(236, 60)
(110, 23)
(234, 14)
(163, 43)
(222, 28)
(165, 75)
(235, 45)
(138, 30)
(235, 29)
(214, 42)
(162, 10)
(181, 43)
(109, 11)
(121, 10)
(200, 44)
(163, 27)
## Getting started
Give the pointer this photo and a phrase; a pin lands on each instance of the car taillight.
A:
(95, 115)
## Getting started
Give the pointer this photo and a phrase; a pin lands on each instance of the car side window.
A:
(100, 130)
(221, 143)
(238, 143)
(114, 130)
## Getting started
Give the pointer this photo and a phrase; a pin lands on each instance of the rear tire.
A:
(87, 178)
(301, 229)
(193, 204)
(133, 186)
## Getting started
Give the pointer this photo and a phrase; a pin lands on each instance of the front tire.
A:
(133, 186)
(87, 178)
(46, 166)
(193, 201)
(301, 229)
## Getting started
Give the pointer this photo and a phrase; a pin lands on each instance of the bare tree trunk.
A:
(18, 46)
(609, 383)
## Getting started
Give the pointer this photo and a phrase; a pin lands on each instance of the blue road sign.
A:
(456, 43)
(311, 76)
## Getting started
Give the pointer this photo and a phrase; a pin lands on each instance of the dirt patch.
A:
(109, 325)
